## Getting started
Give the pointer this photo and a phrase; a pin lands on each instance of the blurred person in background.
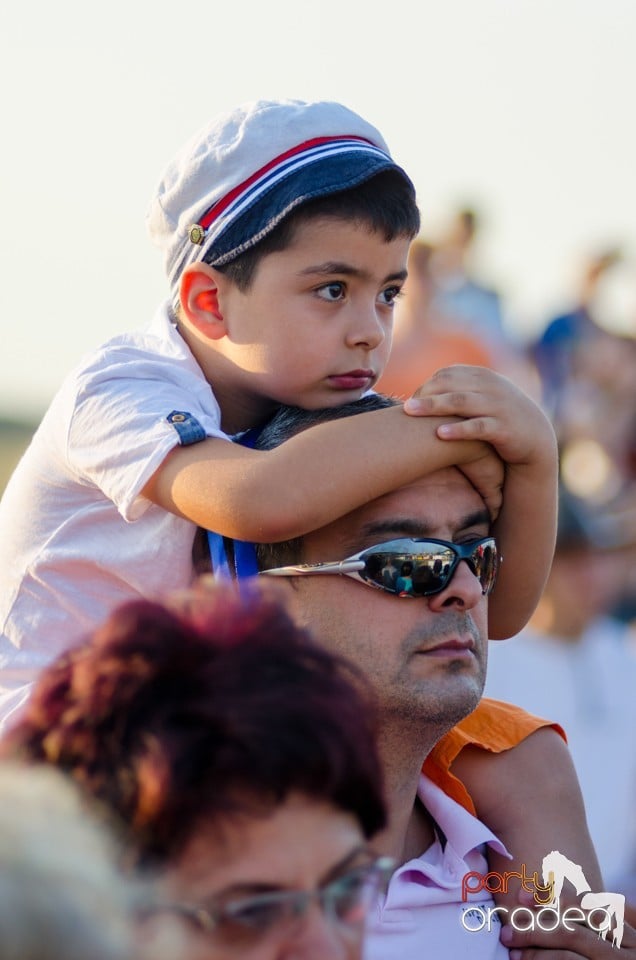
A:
(459, 293)
(423, 342)
(589, 391)
(595, 421)
(576, 662)
(592, 397)
(578, 328)
(238, 760)
(447, 315)
(62, 895)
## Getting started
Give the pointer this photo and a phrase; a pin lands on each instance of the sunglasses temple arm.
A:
(338, 566)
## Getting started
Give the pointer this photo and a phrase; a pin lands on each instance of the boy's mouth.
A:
(353, 380)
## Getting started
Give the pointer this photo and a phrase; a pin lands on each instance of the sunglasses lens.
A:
(484, 564)
(419, 571)
(433, 568)
(423, 568)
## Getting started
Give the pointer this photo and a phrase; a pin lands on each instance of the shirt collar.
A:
(462, 830)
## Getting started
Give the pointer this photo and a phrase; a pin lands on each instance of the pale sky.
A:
(523, 108)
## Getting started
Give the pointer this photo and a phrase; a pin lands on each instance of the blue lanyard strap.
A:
(231, 559)
(234, 559)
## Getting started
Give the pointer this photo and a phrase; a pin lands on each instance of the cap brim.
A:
(328, 176)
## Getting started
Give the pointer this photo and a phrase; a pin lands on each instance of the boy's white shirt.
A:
(78, 538)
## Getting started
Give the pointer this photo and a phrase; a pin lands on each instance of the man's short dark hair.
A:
(384, 202)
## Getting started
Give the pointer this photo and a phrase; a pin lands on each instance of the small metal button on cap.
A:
(196, 234)
(177, 417)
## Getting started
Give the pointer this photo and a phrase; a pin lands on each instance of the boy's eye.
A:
(332, 291)
(390, 295)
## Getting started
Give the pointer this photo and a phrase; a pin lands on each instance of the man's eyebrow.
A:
(331, 267)
(394, 527)
(409, 527)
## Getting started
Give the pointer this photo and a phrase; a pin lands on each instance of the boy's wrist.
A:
(543, 458)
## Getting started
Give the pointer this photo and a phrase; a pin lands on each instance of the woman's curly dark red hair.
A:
(208, 705)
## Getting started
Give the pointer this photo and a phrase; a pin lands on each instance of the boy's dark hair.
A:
(385, 202)
(215, 705)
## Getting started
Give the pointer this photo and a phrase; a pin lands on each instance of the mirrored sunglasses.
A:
(409, 567)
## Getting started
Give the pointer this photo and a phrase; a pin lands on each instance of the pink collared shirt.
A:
(423, 916)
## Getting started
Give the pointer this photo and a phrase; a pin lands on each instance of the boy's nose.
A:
(368, 331)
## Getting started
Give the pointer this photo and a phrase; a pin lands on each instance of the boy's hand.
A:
(493, 409)
(496, 411)
(487, 477)
(574, 942)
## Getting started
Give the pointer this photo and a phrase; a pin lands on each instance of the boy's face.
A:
(314, 328)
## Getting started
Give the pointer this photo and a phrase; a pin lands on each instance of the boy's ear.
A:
(199, 295)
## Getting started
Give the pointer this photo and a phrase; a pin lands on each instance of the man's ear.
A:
(199, 295)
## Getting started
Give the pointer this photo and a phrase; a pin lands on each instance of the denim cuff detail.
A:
(187, 426)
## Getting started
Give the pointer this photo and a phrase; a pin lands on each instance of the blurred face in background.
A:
(584, 584)
(230, 874)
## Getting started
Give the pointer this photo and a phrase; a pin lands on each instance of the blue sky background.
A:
(524, 108)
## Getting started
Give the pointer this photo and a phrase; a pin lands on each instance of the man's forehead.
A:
(446, 498)
(440, 484)
(441, 505)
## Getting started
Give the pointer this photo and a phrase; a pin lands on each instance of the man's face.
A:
(425, 658)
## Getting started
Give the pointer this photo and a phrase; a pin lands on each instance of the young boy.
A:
(285, 228)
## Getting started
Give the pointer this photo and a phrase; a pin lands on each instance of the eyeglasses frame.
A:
(208, 919)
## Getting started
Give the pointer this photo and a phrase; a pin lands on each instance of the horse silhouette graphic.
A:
(557, 869)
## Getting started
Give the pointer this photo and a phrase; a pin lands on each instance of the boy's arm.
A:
(497, 411)
(580, 942)
(526, 531)
(529, 796)
(313, 478)
(577, 941)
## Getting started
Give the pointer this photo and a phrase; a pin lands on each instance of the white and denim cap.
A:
(239, 176)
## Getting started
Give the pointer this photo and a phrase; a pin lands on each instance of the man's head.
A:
(587, 571)
(426, 655)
